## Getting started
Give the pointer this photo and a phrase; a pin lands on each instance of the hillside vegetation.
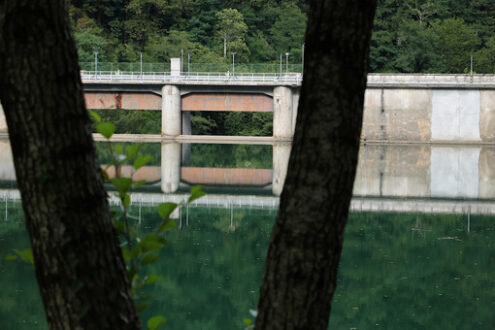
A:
(409, 36)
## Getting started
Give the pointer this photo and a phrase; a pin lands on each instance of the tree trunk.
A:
(78, 262)
(301, 267)
(224, 46)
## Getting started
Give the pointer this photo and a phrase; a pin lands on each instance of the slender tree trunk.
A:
(78, 263)
(224, 46)
(301, 267)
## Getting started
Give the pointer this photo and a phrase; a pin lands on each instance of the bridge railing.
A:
(291, 77)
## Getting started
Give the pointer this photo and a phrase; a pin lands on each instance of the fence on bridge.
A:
(271, 68)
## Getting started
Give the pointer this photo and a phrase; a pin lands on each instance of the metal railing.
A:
(273, 68)
(290, 77)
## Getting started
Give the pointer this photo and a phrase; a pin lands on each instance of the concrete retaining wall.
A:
(429, 115)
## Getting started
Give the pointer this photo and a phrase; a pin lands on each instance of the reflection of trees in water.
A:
(205, 155)
(415, 281)
(231, 156)
(104, 157)
(397, 270)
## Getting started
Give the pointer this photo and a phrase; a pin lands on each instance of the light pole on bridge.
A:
(302, 61)
(96, 63)
(286, 63)
(141, 64)
(233, 63)
(188, 62)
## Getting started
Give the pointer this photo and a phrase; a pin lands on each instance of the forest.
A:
(410, 36)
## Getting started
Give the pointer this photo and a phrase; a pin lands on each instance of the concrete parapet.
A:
(405, 79)
(282, 112)
(171, 110)
(3, 121)
(170, 167)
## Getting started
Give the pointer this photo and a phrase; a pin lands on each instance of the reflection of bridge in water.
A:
(406, 178)
(358, 204)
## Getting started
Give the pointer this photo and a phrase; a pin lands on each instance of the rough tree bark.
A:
(79, 266)
(301, 267)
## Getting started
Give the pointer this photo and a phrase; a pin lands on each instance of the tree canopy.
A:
(408, 36)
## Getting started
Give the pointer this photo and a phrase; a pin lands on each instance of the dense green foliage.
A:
(408, 36)
(433, 36)
(202, 123)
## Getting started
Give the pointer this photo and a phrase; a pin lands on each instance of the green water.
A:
(398, 271)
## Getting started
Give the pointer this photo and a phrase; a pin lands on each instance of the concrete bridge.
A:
(398, 107)
(404, 108)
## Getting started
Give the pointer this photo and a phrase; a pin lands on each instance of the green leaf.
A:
(138, 184)
(149, 259)
(141, 307)
(169, 225)
(126, 200)
(119, 149)
(26, 256)
(119, 226)
(141, 161)
(196, 192)
(155, 322)
(11, 257)
(152, 243)
(152, 279)
(95, 116)
(166, 209)
(122, 185)
(106, 129)
(129, 254)
(247, 322)
(132, 151)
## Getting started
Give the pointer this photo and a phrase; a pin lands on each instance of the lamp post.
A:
(280, 64)
(188, 62)
(141, 64)
(233, 63)
(286, 63)
(96, 63)
(471, 64)
(302, 61)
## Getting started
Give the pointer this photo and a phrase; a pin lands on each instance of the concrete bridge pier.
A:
(281, 153)
(282, 112)
(170, 167)
(3, 121)
(295, 107)
(7, 170)
(171, 110)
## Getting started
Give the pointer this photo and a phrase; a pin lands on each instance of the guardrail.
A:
(294, 78)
